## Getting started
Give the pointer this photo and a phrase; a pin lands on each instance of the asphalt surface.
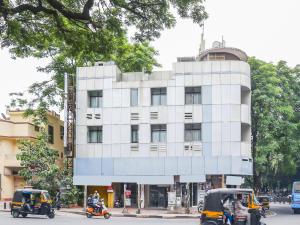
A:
(284, 216)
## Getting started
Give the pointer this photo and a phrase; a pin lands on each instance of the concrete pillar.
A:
(84, 197)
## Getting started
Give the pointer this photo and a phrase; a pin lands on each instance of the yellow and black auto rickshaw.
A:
(264, 200)
(219, 207)
(31, 201)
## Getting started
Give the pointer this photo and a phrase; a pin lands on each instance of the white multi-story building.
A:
(188, 125)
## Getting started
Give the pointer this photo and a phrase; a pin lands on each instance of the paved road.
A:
(284, 216)
(72, 219)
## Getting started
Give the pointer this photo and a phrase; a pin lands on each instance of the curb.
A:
(143, 216)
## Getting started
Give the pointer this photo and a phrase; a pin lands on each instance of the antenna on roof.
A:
(223, 42)
(202, 43)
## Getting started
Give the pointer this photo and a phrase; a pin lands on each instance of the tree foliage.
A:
(275, 121)
(38, 163)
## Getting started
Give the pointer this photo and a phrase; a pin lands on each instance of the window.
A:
(192, 132)
(36, 128)
(95, 134)
(134, 96)
(134, 134)
(192, 95)
(158, 133)
(158, 96)
(50, 134)
(95, 99)
(61, 132)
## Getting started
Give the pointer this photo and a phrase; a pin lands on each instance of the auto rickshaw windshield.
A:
(46, 196)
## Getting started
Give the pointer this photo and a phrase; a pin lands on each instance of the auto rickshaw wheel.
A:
(106, 215)
(89, 215)
(15, 214)
(51, 215)
(24, 215)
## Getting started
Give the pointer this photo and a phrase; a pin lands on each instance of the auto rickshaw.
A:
(264, 200)
(219, 207)
(31, 201)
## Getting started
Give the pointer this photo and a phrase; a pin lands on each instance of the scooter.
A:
(103, 211)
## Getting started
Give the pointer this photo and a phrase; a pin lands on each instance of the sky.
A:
(266, 29)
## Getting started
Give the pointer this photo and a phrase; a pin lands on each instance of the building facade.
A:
(14, 128)
(163, 130)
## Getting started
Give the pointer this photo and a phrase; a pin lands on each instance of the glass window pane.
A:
(94, 134)
(133, 96)
(158, 96)
(134, 134)
(95, 99)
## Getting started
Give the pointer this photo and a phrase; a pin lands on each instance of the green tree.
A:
(38, 163)
(275, 121)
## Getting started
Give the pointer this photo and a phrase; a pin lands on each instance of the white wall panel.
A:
(107, 115)
(216, 148)
(179, 132)
(99, 84)
(235, 128)
(206, 79)
(107, 82)
(116, 134)
(81, 132)
(216, 94)
(81, 85)
(98, 150)
(225, 132)
(145, 133)
(116, 150)
(90, 84)
(235, 148)
(126, 97)
(126, 134)
(117, 97)
(197, 114)
(171, 114)
(216, 66)
(146, 96)
(226, 148)
(235, 78)
(82, 99)
(107, 98)
(116, 116)
(235, 94)
(179, 80)
(216, 113)
(125, 115)
(225, 94)
(215, 79)
(171, 96)
(216, 132)
(90, 72)
(107, 134)
(179, 95)
(235, 113)
(106, 150)
(171, 132)
(225, 113)
(188, 80)
(179, 114)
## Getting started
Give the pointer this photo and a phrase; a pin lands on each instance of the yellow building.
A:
(14, 128)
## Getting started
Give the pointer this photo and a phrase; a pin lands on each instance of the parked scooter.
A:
(102, 211)
(118, 204)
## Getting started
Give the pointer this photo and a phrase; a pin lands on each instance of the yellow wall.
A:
(13, 130)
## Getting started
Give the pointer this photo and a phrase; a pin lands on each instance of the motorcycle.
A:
(118, 204)
(102, 211)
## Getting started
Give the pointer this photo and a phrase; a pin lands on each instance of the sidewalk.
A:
(5, 206)
(145, 213)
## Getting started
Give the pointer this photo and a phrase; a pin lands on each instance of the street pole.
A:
(125, 210)
(84, 197)
(187, 209)
(139, 199)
